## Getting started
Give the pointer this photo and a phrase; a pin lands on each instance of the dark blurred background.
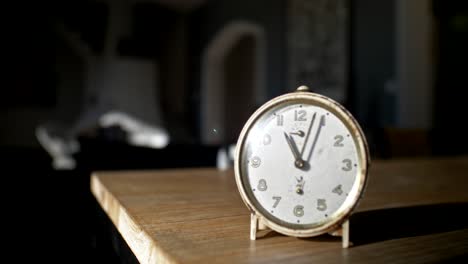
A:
(148, 84)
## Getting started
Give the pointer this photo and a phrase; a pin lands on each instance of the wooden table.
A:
(414, 211)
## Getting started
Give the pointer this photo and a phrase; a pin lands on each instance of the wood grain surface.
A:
(413, 211)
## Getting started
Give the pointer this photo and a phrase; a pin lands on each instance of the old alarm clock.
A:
(301, 166)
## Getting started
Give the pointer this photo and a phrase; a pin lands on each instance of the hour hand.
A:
(298, 162)
(299, 133)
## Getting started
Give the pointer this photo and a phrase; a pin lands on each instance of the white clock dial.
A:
(300, 163)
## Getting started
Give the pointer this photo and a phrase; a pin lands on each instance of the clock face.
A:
(301, 163)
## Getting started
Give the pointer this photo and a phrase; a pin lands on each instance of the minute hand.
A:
(317, 134)
(308, 134)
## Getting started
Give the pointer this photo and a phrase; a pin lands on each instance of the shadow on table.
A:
(385, 224)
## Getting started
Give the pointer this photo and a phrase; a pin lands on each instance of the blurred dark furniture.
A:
(400, 143)
(56, 209)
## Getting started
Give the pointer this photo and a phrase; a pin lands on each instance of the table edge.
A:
(142, 244)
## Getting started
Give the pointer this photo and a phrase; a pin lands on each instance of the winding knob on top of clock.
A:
(303, 88)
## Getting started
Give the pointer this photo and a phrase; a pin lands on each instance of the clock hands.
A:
(298, 162)
(317, 134)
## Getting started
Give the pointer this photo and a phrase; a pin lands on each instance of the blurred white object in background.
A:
(138, 132)
(118, 91)
(225, 157)
(60, 149)
(124, 94)
(222, 160)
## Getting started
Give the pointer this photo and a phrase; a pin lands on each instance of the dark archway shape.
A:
(221, 72)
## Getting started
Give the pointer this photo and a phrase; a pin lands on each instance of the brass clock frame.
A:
(337, 225)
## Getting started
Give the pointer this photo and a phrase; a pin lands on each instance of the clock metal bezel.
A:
(351, 202)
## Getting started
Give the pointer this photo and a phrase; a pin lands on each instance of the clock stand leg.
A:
(256, 223)
(343, 232)
(253, 226)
